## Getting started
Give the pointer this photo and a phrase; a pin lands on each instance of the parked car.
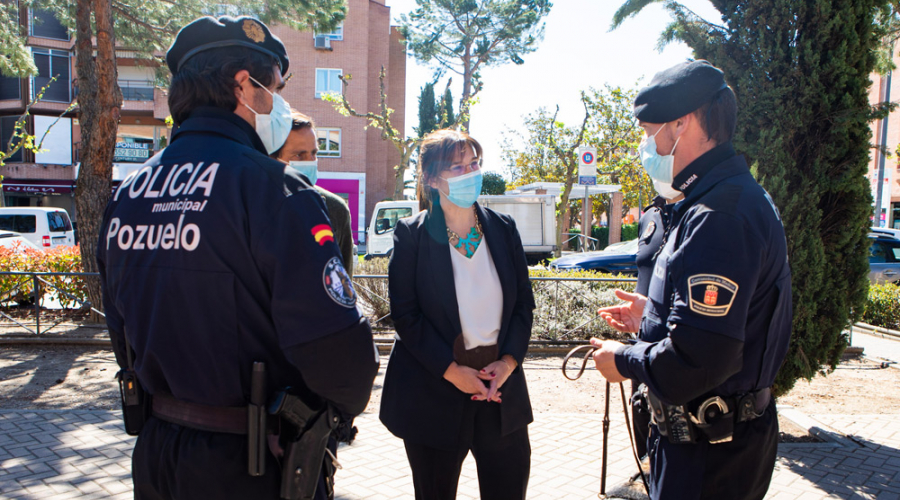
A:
(886, 231)
(16, 242)
(884, 258)
(620, 258)
(45, 227)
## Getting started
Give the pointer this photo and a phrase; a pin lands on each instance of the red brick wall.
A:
(367, 46)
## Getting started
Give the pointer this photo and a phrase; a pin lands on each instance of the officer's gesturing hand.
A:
(625, 317)
(466, 380)
(604, 358)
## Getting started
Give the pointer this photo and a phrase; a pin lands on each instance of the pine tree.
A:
(463, 36)
(800, 70)
(428, 111)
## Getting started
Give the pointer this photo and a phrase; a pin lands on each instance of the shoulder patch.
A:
(322, 233)
(337, 283)
(651, 227)
(711, 295)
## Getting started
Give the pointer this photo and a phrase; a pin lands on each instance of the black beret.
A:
(678, 91)
(209, 33)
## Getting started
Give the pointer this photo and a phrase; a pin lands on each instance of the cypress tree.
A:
(428, 111)
(445, 109)
(801, 72)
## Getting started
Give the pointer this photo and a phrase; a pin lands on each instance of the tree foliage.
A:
(15, 59)
(445, 108)
(146, 27)
(462, 36)
(406, 146)
(493, 183)
(428, 111)
(545, 150)
(800, 70)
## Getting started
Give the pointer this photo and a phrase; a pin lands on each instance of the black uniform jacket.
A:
(651, 229)
(718, 313)
(214, 256)
(417, 403)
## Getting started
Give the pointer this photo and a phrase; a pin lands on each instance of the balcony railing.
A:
(136, 90)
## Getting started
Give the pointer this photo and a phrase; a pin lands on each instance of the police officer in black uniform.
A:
(214, 256)
(716, 323)
(651, 229)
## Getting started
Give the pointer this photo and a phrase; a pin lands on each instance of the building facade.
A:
(886, 133)
(355, 163)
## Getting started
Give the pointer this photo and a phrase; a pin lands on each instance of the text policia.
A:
(145, 184)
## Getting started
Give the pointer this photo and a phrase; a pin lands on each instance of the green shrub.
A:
(883, 306)
(62, 259)
(629, 232)
(373, 292)
(567, 310)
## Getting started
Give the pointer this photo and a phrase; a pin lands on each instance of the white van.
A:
(535, 216)
(380, 236)
(45, 227)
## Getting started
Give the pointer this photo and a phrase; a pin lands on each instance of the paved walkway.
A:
(54, 455)
(877, 346)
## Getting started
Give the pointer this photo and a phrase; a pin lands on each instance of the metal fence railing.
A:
(23, 287)
(566, 307)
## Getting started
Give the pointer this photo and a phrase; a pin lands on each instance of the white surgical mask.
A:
(273, 128)
(308, 168)
(660, 168)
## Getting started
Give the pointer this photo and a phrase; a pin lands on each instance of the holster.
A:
(304, 437)
(135, 402)
(713, 417)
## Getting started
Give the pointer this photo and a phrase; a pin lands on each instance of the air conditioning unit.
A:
(323, 42)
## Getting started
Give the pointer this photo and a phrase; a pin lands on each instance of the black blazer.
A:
(417, 404)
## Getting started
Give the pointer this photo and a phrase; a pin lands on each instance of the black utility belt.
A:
(713, 418)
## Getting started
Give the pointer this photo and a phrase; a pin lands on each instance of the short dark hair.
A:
(207, 79)
(436, 153)
(299, 121)
(718, 117)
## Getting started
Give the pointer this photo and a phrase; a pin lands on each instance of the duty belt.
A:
(714, 417)
(231, 420)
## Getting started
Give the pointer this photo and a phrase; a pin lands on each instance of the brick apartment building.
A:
(886, 88)
(354, 163)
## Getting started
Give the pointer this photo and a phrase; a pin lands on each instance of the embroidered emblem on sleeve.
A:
(322, 233)
(711, 295)
(337, 283)
(651, 227)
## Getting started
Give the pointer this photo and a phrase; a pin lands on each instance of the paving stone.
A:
(55, 455)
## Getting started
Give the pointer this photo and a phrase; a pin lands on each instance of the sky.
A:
(578, 52)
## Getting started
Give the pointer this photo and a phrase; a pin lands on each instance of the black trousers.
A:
(503, 462)
(175, 462)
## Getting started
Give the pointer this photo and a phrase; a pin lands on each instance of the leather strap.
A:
(230, 420)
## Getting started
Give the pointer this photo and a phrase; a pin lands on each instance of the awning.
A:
(38, 187)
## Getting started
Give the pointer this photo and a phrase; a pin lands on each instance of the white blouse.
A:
(479, 296)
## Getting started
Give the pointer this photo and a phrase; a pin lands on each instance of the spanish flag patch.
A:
(322, 233)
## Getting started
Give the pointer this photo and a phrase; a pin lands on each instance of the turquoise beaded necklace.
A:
(470, 243)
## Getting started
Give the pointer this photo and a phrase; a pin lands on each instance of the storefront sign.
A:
(37, 187)
(132, 152)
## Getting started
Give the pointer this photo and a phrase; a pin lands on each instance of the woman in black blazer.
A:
(454, 382)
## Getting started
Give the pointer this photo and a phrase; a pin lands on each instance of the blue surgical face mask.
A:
(273, 128)
(659, 168)
(464, 189)
(308, 168)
